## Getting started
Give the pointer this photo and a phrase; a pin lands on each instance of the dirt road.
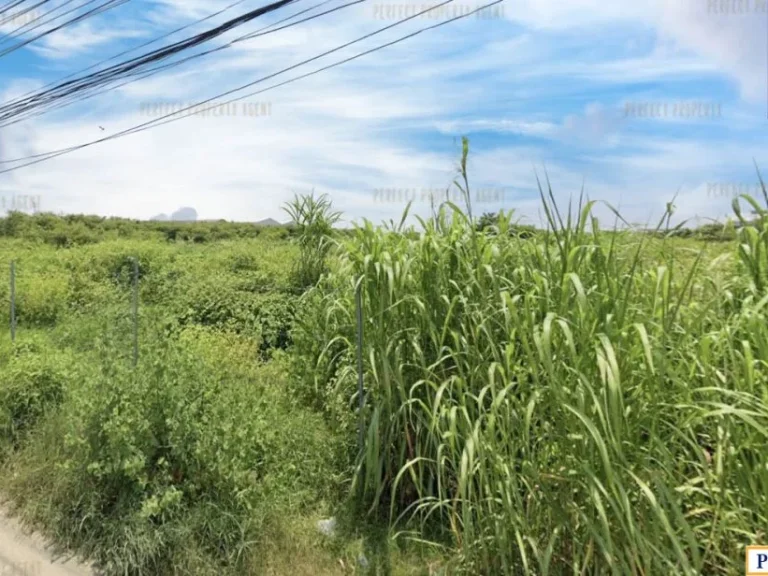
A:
(22, 554)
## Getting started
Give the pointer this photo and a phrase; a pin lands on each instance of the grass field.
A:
(576, 401)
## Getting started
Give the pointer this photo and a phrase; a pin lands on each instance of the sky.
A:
(631, 103)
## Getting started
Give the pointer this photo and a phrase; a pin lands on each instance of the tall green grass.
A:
(586, 402)
(313, 220)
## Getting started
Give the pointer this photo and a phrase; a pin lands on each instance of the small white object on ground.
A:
(327, 527)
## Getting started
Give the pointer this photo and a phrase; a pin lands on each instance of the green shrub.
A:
(197, 451)
(40, 298)
(31, 385)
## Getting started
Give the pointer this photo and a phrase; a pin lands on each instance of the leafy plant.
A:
(313, 219)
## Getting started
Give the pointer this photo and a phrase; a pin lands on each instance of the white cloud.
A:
(79, 39)
(729, 42)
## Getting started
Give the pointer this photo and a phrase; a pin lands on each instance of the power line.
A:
(160, 121)
(18, 32)
(37, 158)
(108, 5)
(112, 73)
(21, 98)
(11, 6)
(22, 110)
(16, 15)
(25, 113)
(124, 52)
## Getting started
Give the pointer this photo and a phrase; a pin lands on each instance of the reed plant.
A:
(587, 402)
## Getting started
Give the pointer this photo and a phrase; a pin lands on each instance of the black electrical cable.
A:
(108, 5)
(111, 73)
(37, 158)
(62, 101)
(11, 6)
(20, 31)
(17, 15)
(124, 52)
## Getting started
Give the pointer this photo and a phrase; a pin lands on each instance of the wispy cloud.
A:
(79, 39)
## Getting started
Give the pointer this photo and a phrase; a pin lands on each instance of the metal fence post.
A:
(135, 307)
(361, 399)
(13, 301)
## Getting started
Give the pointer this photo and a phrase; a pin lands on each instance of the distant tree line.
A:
(77, 229)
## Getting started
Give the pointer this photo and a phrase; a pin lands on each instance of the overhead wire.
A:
(18, 111)
(12, 5)
(20, 31)
(111, 73)
(17, 15)
(107, 5)
(124, 52)
(175, 116)
(152, 71)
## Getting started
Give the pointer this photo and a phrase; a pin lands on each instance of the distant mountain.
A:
(268, 222)
(184, 215)
(190, 215)
(181, 215)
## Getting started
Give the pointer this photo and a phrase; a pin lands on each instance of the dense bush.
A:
(192, 451)
(31, 385)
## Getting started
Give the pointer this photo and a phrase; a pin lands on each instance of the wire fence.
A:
(135, 277)
(13, 301)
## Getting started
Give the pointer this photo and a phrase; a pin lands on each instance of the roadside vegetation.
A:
(568, 400)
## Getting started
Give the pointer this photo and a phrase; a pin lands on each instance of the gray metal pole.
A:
(13, 301)
(359, 305)
(135, 306)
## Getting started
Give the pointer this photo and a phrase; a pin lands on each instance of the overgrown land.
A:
(571, 400)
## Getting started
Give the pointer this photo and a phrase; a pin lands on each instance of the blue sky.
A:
(538, 86)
